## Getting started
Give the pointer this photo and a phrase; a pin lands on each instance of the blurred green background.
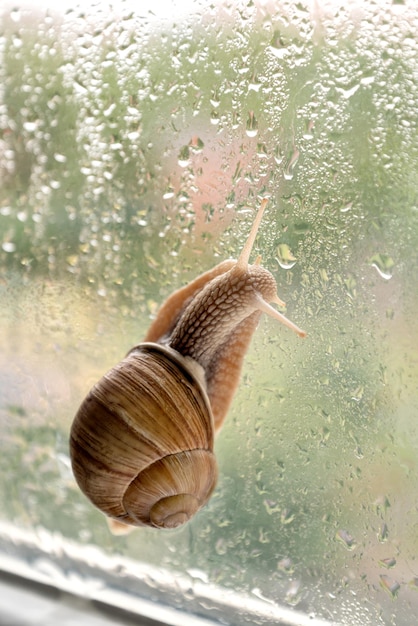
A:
(134, 147)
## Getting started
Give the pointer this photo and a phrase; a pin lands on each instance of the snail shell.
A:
(137, 457)
(141, 443)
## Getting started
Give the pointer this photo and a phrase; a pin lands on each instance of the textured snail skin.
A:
(142, 441)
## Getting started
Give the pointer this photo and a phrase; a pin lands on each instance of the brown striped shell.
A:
(141, 443)
(143, 453)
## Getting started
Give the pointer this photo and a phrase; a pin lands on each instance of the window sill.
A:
(61, 583)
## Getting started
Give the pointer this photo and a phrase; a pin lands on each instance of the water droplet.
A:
(133, 135)
(278, 46)
(290, 168)
(383, 533)
(308, 134)
(263, 536)
(367, 80)
(286, 565)
(188, 593)
(346, 207)
(199, 574)
(286, 517)
(285, 258)
(236, 120)
(184, 156)
(262, 151)
(30, 127)
(108, 112)
(196, 144)
(214, 118)
(215, 100)
(278, 155)
(323, 275)
(252, 125)
(17, 42)
(72, 260)
(271, 506)
(349, 91)
(236, 176)
(359, 452)
(388, 563)
(254, 84)
(221, 547)
(258, 594)
(414, 583)
(383, 264)
(358, 393)
(390, 585)
(301, 228)
(15, 15)
(381, 504)
(9, 246)
(293, 594)
(344, 537)
(169, 193)
(350, 284)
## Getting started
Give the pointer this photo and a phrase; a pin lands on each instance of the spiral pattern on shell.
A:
(141, 443)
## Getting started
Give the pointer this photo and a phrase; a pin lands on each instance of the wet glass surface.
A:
(135, 145)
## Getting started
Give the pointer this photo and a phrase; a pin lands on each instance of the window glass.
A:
(136, 142)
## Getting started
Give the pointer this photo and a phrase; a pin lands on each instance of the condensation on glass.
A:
(135, 144)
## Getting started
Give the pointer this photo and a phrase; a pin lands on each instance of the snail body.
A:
(141, 443)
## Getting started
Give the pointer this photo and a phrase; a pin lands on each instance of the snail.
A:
(142, 441)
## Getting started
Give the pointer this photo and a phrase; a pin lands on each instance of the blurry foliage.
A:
(125, 149)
